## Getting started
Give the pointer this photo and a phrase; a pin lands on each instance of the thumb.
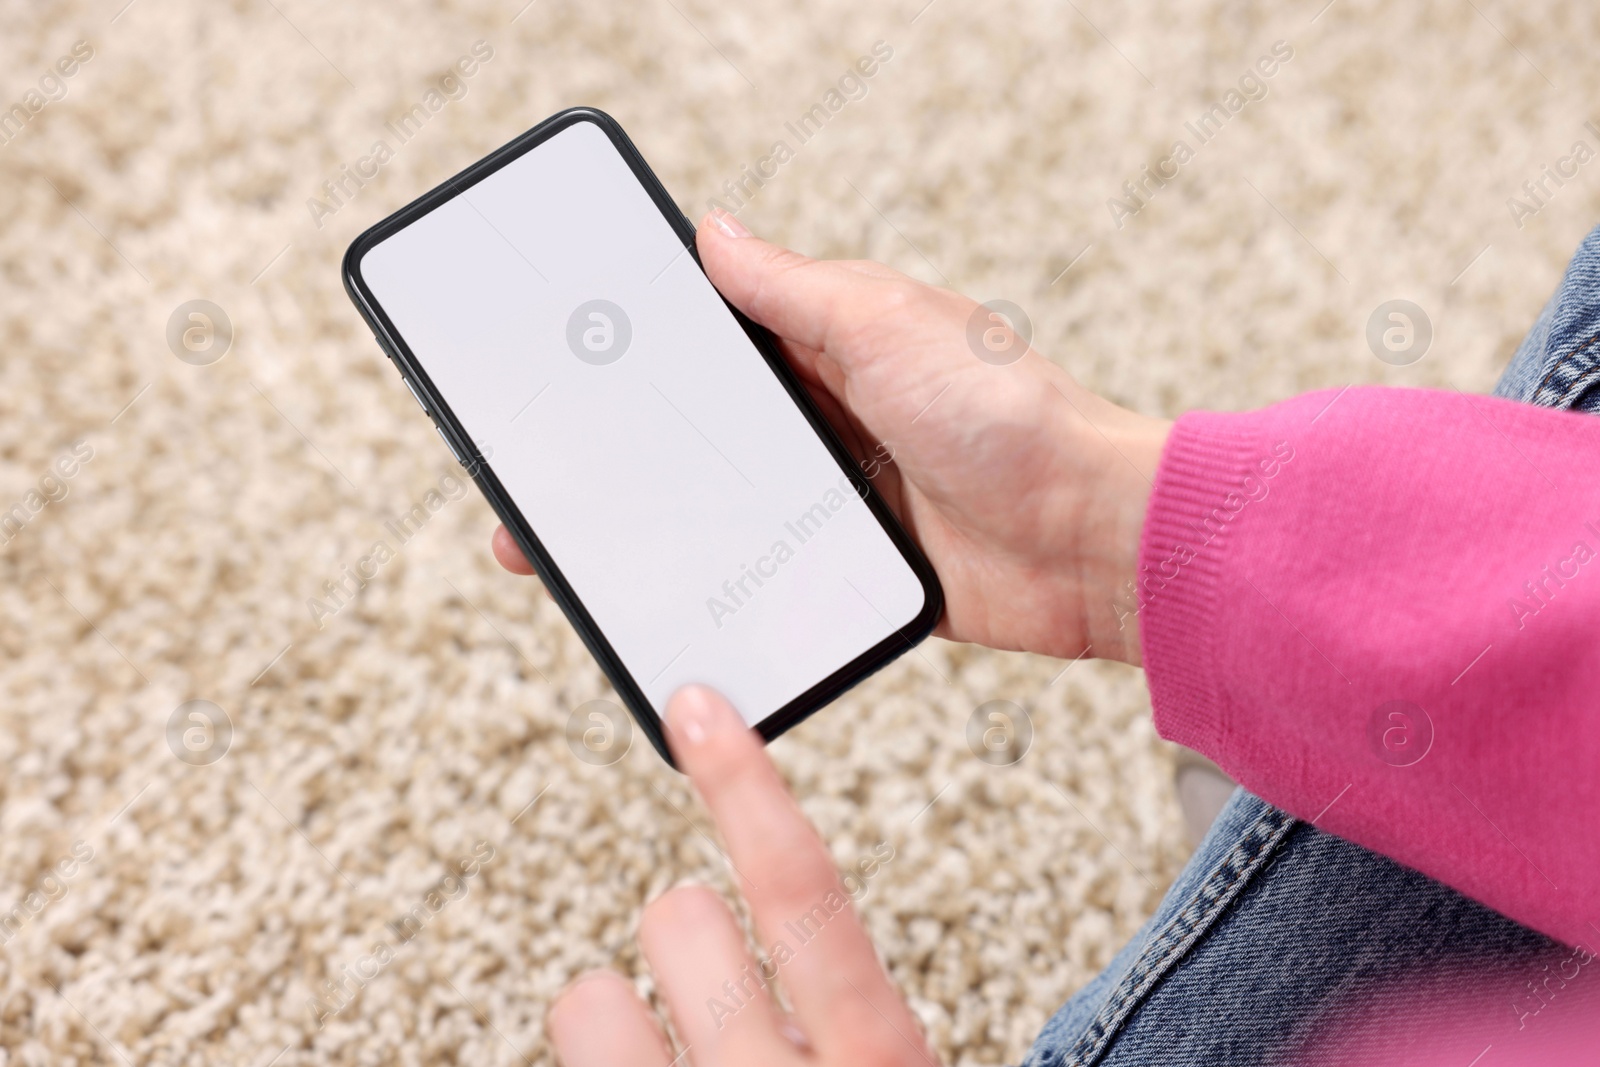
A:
(797, 298)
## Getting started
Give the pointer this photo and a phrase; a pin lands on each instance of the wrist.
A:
(1117, 505)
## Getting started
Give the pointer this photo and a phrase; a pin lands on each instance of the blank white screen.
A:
(661, 482)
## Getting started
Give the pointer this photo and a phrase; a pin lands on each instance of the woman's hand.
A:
(846, 1011)
(1026, 491)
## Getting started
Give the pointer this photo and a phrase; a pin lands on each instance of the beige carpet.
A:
(423, 718)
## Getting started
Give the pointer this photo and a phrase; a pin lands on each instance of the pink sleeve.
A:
(1380, 610)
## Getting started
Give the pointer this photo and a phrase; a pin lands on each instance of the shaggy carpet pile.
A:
(233, 827)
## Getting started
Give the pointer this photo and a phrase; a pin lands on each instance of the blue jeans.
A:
(1277, 940)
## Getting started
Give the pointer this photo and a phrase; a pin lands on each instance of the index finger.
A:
(809, 929)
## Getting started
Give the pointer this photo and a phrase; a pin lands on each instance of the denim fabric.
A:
(1558, 365)
(1272, 931)
(1276, 934)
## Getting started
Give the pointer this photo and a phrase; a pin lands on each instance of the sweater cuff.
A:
(1213, 467)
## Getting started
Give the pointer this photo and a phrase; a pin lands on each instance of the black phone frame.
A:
(482, 473)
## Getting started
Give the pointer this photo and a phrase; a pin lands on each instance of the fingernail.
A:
(729, 223)
(693, 716)
(585, 978)
(797, 1037)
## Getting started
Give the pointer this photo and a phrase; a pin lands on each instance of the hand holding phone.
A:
(1026, 491)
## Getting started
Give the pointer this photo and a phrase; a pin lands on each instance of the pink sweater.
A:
(1380, 610)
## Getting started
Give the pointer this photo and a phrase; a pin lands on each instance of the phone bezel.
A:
(482, 472)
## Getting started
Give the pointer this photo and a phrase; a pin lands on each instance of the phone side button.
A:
(446, 439)
(415, 395)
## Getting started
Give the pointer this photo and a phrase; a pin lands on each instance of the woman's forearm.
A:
(1380, 610)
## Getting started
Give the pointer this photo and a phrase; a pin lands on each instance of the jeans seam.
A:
(1581, 382)
(1558, 365)
(1210, 899)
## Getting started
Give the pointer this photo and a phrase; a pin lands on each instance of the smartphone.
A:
(682, 498)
